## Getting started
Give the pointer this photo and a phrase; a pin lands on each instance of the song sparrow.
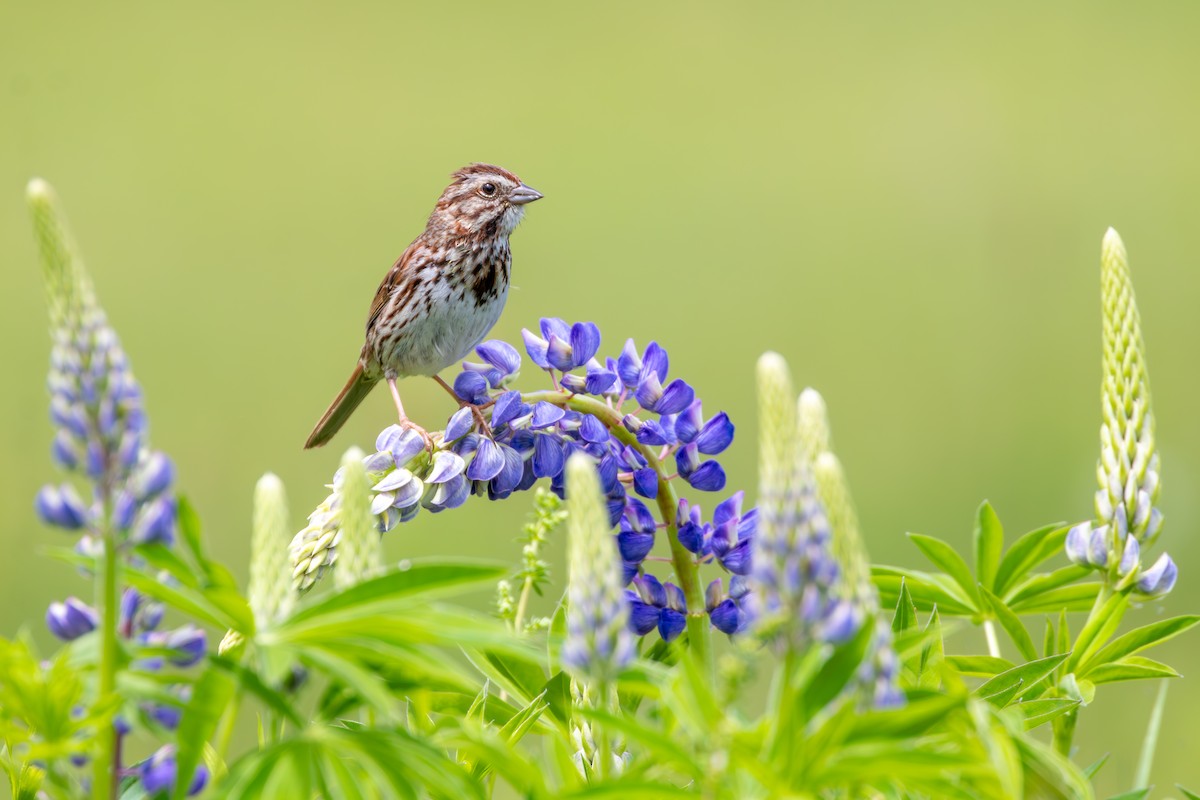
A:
(442, 296)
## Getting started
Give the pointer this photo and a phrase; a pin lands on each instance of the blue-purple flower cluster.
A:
(625, 412)
(97, 408)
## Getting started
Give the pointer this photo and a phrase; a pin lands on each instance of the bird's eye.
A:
(488, 190)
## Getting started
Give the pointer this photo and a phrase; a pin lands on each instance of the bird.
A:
(441, 297)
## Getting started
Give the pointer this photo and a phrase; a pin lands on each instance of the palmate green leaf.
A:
(210, 697)
(945, 557)
(1138, 640)
(988, 545)
(1003, 688)
(926, 590)
(1026, 553)
(1011, 624)
(1130, 668)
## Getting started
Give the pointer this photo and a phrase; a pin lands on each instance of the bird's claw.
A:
(405, 422)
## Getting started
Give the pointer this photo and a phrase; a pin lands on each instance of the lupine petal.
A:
(728, 509)
(471, 387)
(381, 501)
(645, 483)
(634, 546)
(575, 384)
(394, 480)
(501, 355)
(61, 507)
(670, 624)
(510, 476)
(629, 366)
(649, 390)
(675, 398)
(409, 494)
(548, 457)
(651, 433)
(687, 459)
(708, 477)
(643, 617)
(689, 422)
(640, 518)
(553, 326)
(675, 598)
(1160, 578)
(446, 465)
(692, 537)
(508, 407)
(1077, 543)
(559, 354)
(536, 346)
(737, 559)
(716, 435)
(650, 590)
(585, 341)
(459, 424)
(655, 360)
(599, 380)
(592, 430)
(487, 463)
(546, 414)
(725, 617)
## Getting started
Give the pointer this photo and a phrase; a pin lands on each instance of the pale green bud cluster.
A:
(361, 549)
(587, 749)
(271, 597)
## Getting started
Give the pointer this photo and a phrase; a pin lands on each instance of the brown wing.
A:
(390, 283)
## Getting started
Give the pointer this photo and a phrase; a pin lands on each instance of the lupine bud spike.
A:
(360, 555)
(270, 594)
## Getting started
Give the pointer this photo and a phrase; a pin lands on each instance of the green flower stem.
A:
(989, 630)
(687, 572)
(105, 778)
(225, 731)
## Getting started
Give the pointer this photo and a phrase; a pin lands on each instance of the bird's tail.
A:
(354, 392)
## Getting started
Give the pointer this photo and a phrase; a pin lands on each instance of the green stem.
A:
(687, 572)
(989, 630)
(105, 777)
(522, 603)
(1064, 732)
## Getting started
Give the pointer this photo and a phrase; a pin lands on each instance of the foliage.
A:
(387, 686)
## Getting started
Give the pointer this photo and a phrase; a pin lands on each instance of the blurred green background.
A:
(906, 200)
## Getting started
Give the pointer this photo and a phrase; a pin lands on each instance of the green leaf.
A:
(1136, 794)
(1039, 712)
(1100, 626)
(252, 683)
(1094, 767)
(906, 613)
(558, 696)
(927, 590)
(988, 544)
(211, 694)
(985, 666)
(1130, 668)
(1001, 689)
(1187, 795)
(1079, 597)
(421, 579)
(1042, 582)
(933, 654)
(1026, 553)
(949, 561)
(1139, 639)
(1012, 624)
(190, 601)
(835, 673)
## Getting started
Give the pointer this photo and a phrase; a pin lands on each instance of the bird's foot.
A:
(477, 412)
(405, 422)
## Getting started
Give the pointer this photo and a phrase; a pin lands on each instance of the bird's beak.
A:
(524, 194)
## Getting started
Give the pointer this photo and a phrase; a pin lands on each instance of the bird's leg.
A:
(405, 422)
(476, 410)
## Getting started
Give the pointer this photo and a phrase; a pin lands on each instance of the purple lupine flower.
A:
(71, 619)
(157, 773)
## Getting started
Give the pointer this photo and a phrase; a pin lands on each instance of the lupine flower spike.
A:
(1128, 519)
(624, 414)
(879, 671)
(598, 643)
(359, 538)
